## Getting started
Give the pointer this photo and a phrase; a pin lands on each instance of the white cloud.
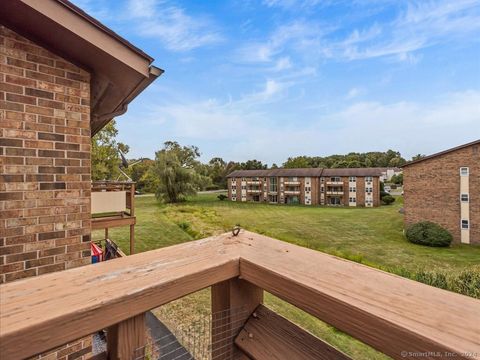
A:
(422, 24)
(247, 131)
(419, 25)
(354, 92)
(176, 29)
(282, 63)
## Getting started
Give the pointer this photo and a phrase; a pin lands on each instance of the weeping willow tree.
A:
(176, 172)
(105, 156)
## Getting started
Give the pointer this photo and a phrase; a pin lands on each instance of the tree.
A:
(418, 157)
(397, 179)
(253, 165)
(175, 169)
(140, 173)
(105, 156)
(297, 162)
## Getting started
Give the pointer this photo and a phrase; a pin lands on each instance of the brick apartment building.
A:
(310, 186)
(63, 76)
(444, 188)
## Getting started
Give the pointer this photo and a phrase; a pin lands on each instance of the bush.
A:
(388, 199)
(383, 193)
(428, 233)
(222, 197)
(212, 187)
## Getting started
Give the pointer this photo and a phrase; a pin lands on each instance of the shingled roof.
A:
(313, 172)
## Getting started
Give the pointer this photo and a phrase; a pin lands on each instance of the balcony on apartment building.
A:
(334, 191)
(113, 205)
(292, 181)
(292, 191)
(254, 190)
(396, 316)
(253, 181)
(334, 182)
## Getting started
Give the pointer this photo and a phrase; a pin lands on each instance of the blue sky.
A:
(276, 78)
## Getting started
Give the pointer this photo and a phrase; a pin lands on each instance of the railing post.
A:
(233, 301)
(132, 214)
(126, 340)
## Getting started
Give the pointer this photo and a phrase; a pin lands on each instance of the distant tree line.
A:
(388, 158)
(176, 172)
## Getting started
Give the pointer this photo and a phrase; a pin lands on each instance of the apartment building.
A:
(63, 76)
(444, 188)
(310, 186)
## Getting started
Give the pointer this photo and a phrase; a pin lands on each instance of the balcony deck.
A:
(113, 205)
(388, 312)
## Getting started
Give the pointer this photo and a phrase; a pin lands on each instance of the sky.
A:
(271, 79)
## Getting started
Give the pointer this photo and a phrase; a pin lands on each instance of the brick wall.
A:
(432, 191)
(44, 166)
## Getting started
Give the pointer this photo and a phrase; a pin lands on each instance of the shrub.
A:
(428, 233)
(388, 199)
(212, 187)
(383, 193)
(222, 197)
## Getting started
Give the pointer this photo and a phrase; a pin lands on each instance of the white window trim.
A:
(467, 222)
(465, 201)
(464, 168)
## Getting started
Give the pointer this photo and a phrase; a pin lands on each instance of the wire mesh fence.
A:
(210, 337)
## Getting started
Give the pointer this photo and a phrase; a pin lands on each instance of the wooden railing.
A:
(396, 316)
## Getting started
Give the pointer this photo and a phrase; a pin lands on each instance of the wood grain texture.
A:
(112, 221)
(267, 335)
(232, 303)
(126, 340)
(53, 309)
(388, 312)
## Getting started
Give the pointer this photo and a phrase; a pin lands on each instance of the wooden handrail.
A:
(388, 312)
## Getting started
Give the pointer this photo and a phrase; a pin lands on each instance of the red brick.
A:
(20, 275)
(6, 105)
(11, 88)
(18, 80)
(39, 93)
(21, 63)
(40, 59)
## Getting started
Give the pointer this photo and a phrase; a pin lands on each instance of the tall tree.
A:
(175, 169)
(105, 156)
(418, 157)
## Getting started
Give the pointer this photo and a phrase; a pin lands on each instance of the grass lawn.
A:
(372, 236)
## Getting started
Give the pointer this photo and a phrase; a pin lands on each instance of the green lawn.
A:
(372, 236)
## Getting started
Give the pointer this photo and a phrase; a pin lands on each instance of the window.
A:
(335, 179)
(308, 189)
(368, 179)
(292, 178)
(273, 184)
(464, 171)
(352, 179)
(255, 178)
(352, 189)
(273, 198)
(234, 198)
(264, 179)
(244, 179)
(369, 190)
(244, 187)
(465, 224)
(464, 197)
(234, 187)
(352, 199)
(322, 179)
